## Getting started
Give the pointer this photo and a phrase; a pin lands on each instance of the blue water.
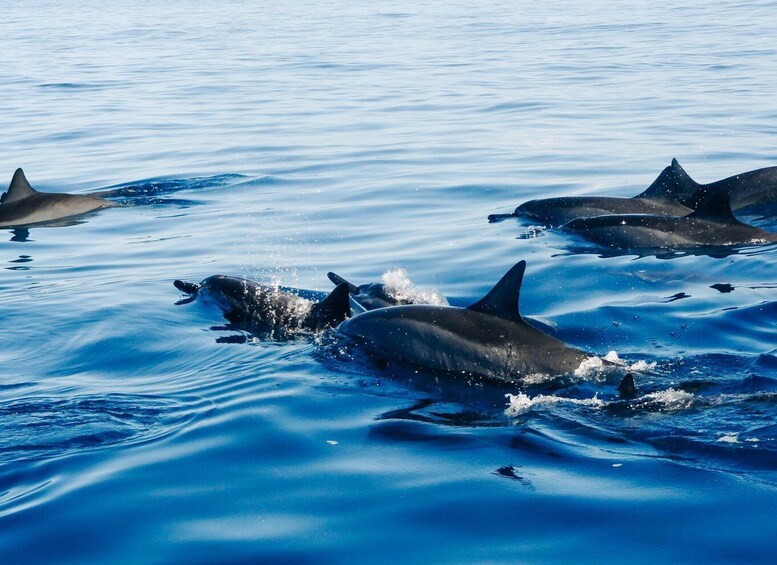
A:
(279, 141)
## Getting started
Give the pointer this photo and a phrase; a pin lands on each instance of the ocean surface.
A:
(280, 141)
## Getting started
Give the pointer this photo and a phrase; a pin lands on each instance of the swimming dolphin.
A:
(673, 193)
(267, 310)
(21, 205)
(489, 338)
(711, 225)
(377, 295)
(756, 187)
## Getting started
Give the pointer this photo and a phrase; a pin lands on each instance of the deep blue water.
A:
(279, 141)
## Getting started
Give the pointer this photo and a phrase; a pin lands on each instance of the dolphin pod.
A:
(490, 338)
(21, 205)
(267, 310)
(674, 212)
(673, 193)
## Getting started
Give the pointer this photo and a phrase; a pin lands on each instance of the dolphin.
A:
(673, 193)
(712, 224)
(753, 188)
(369, 296)
(267, 310)
(377, 295)
(21, 205)
(488, 339)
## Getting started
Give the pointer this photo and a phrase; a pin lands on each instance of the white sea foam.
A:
(533, 232)
(399, 287)
(595, 364)
(670, 398)
(729, 438)
(521, 403)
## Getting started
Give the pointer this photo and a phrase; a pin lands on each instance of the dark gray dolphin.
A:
(267, 310)
(490, 338)
(753, 188)
(673, 193)
(376, 295)
(369, 296)
(21, 205)
(711, 225)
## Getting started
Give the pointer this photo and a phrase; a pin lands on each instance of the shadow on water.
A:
(663, 253)
(20, 234)
(40, 432)
(20, 264)
(43, 427)
(154, 191)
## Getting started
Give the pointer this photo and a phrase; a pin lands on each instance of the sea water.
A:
(279, 141)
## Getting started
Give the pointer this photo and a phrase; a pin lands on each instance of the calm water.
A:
(280, 141)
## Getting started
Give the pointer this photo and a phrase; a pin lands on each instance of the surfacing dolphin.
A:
(21, 205)
(711, 225)
(489, 338)
(379, 295)
(753, 188)
(673, 193)
(267, 310)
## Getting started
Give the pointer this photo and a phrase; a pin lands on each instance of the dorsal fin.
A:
(715, 207)
(331, 310)
(673, 183)
(337, 279)
(19, 188)
(502, 300)
(627, 388)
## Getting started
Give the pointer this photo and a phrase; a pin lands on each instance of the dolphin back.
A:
(19, 189)
(502, 300)
(673, 184)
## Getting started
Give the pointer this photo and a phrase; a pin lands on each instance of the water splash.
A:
(400, 287)
(595, 365)
(521, 403)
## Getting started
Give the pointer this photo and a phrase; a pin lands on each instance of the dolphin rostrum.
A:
(711, 225)
(21, 205)
(379, 295)
(268, 310)
(673, 193)
(489, 338)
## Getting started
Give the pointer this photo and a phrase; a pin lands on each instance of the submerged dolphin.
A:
(378, 295)
(711, 225)
(673, 193)
(490, 338)
(21, 205)
(269, 310)
(369, 296)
